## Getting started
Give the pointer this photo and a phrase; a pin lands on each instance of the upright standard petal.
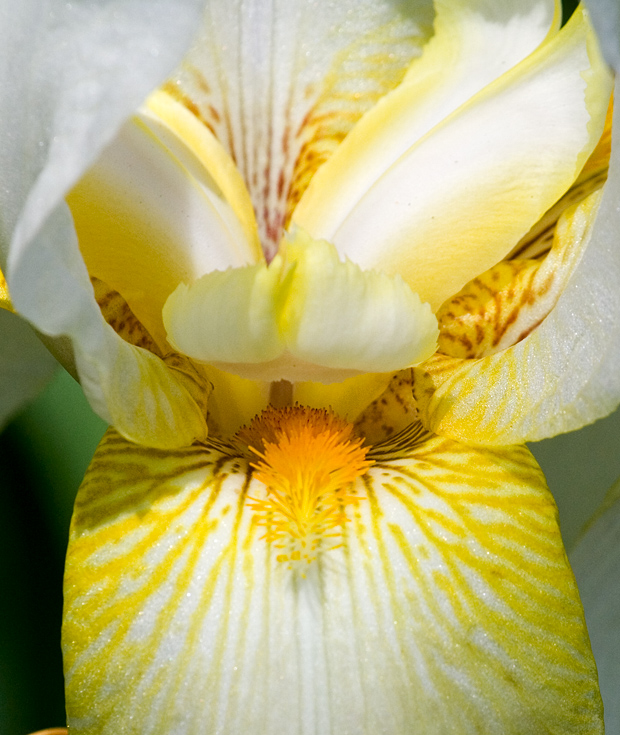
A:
(457, 200)
(596, 562)
(281, 84)
(86, 67)
(446, 604)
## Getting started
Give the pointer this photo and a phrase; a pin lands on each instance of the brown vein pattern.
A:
(280, 128)
(449, 608)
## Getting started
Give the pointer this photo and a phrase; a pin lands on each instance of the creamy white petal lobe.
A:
(456, 202)
(449, 608)
(25, 365)
(596, 563)
(70, 74)
(145, 223)
(564, 375)
(474, 43)
(606, 21)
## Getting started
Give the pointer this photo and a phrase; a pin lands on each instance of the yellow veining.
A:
(308, 463)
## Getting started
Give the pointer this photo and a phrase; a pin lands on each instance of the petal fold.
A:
(449, 605)
(563, 375)
(148, 217)
(456, 200)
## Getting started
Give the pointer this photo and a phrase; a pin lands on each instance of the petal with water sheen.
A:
(450, 603)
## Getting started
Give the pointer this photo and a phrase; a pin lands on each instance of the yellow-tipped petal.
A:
(450, 603)
(145, 222)
(459, 199)
(306, 316)
(473, 44)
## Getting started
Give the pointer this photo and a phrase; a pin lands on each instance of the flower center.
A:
(307, 461)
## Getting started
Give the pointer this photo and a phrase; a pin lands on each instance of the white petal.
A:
(145, 223)
(474, 44)
(606, 21)
(70, 73)
(565, 373)
(450, 605)
(458, 200)
(25, 365)
(282, 82)
(596, 563)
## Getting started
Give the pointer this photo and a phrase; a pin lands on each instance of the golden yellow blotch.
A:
(308, 460)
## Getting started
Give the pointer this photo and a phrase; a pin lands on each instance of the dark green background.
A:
(43, 456)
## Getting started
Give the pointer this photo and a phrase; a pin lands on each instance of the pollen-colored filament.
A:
(308, 461)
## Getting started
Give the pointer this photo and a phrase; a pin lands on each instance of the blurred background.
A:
(44, 453)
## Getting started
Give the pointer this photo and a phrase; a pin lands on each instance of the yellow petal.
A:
(450, 603)
(459, 199)
(473, 44)
(148, 217)
(306, 316)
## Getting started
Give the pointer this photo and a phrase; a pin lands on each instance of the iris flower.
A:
(323, 282)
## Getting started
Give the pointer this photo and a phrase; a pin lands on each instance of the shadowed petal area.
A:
(449, 607)
(596, 561)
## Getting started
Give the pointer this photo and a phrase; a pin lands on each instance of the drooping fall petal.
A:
(449, 604)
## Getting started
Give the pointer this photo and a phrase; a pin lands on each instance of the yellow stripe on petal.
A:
(269, 322)
(450, 603)
(5, 299)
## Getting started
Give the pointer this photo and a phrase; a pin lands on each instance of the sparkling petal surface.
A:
(450, 604)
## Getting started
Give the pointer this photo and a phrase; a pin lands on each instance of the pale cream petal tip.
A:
(305, 316)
